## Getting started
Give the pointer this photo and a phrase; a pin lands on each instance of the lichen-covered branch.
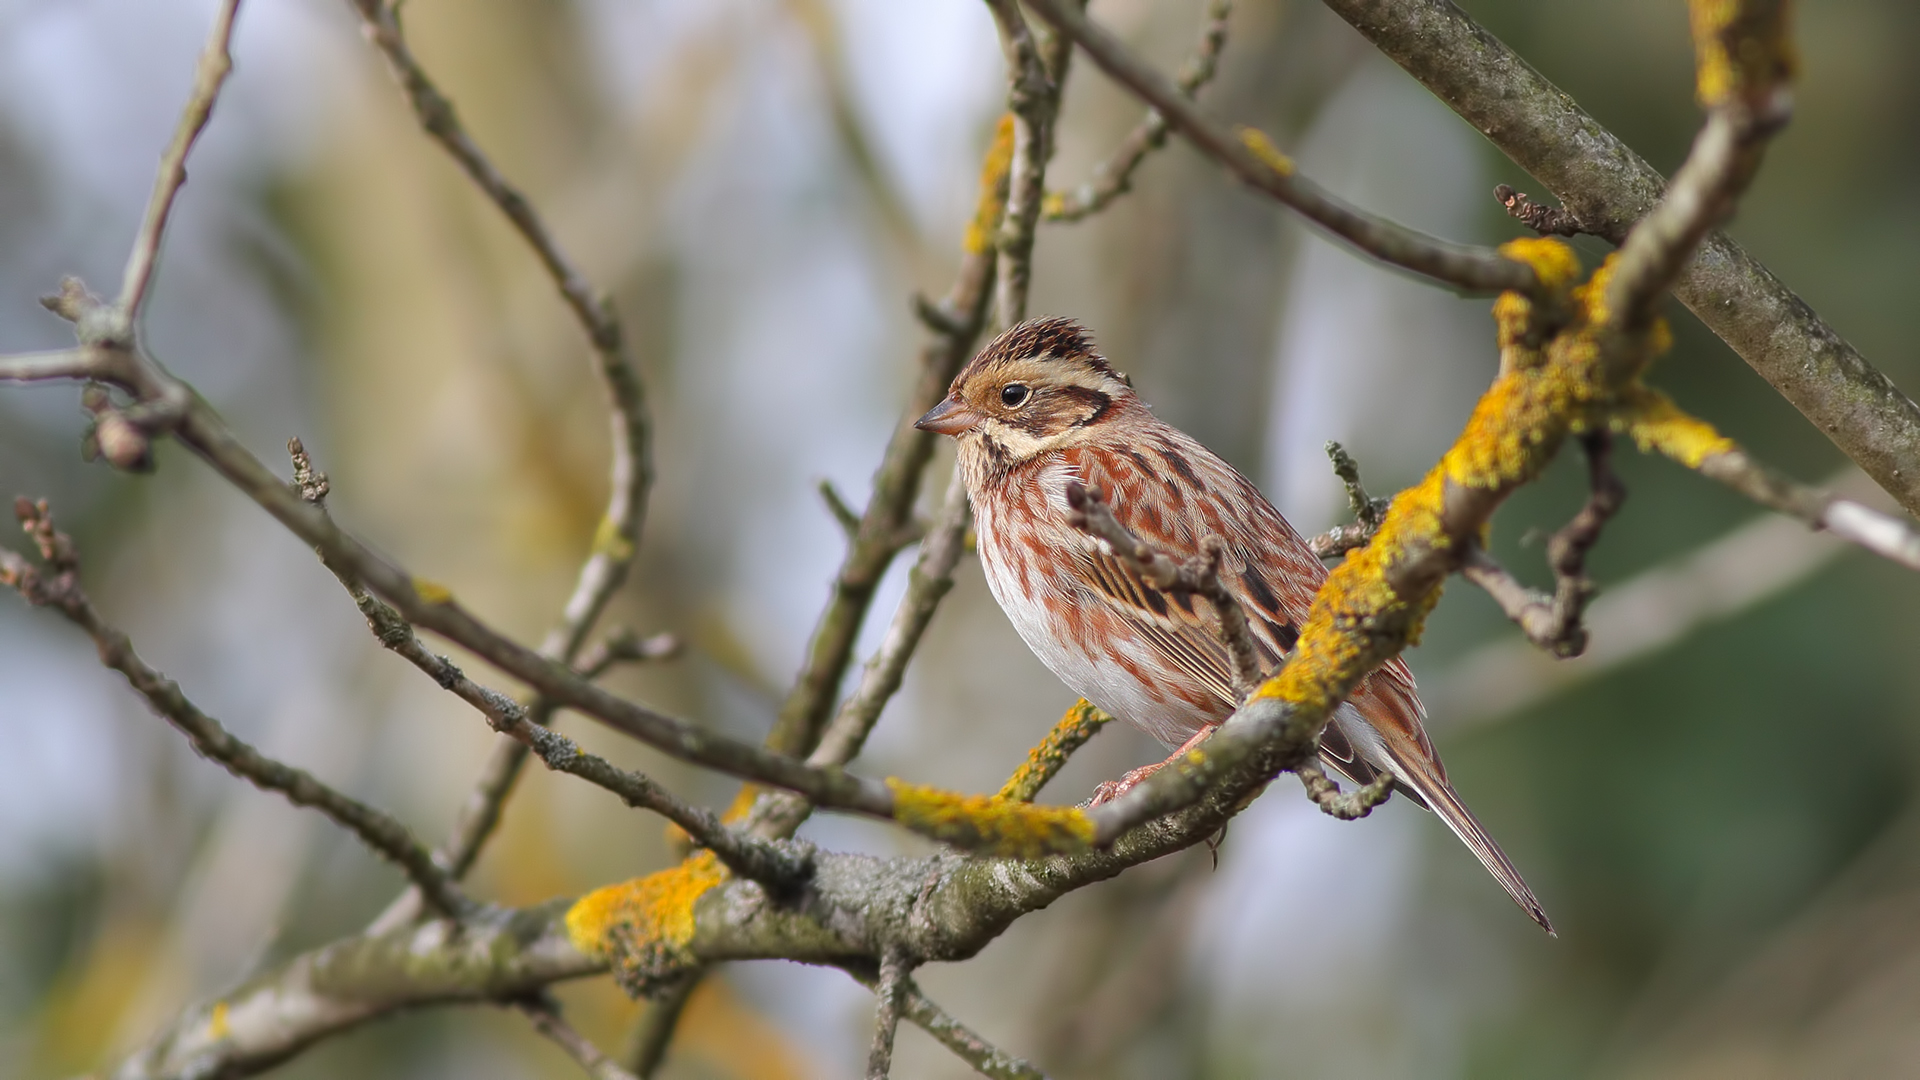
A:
(1571, 361)
(1367, 511)
(1081, 721)
(1608, 187)
(1113, 177)
(59, 588)
(1250, 156)
(1658, 425)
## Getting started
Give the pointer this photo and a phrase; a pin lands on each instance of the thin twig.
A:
(1081, 722)
(746, 855)
(617, 540)
(1554, 622)
(60, 589)
(888, 997)
(623, 646)
(209, 75)
(929, 581)
(1251, 157)
(1367, 512)
(967, 1044)
(1883, 534)
(548, 1021)
(1113, 177)
(1033, 97)
(80, 363)
(1087, 510)
(1749, 99)
(1347, 806)
(1543, 219)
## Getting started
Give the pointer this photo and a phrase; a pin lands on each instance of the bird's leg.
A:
(1112, 789)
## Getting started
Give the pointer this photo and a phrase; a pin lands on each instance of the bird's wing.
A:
(1169, 491)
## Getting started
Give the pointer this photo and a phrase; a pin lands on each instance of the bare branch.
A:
(888, 995)
(1200, 574)
(623, 646)
(548, 1021)
(896, 485)
(930, 581)
(986, 1059)
(65, 364)
(1251, 157)
(1033, 97)
(843, 514)
(1553, 622)
(208, 77)
(618, 538)
(1113, 177)
(1545, 220)
(62, 591)
(1643, 615)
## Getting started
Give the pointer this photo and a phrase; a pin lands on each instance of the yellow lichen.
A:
(646, 922)
(218, 1026)
(1263, 148)
(993, 190)
(1741, 47)
(1657, 425)
(1078, 724)
(1553, 262)
(608, 541)
(432, 592)
(989, 824)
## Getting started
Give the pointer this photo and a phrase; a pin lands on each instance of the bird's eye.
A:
(1013, 395)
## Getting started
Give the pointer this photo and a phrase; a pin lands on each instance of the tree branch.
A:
(888, 999)
(1252, 158)
(548, 1021)
(62, 591)
(1113, 177)
(1553, 622)
(209, 75)
(617, 540)
(1081, 722)
(1545, 220)
(1608, 187)
(51, 364)
(1033, 99)
(1367, 512)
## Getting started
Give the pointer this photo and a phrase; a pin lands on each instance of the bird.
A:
(1038, 412)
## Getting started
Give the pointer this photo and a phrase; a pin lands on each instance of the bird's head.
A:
(1038, 386)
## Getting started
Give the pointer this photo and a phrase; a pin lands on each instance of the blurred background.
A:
(1716, 805)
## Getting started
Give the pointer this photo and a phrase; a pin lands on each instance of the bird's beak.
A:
(948, 418)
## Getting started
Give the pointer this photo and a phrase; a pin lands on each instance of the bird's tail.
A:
(1440, 797)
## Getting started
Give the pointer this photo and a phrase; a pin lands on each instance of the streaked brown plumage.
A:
(1039, 408)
